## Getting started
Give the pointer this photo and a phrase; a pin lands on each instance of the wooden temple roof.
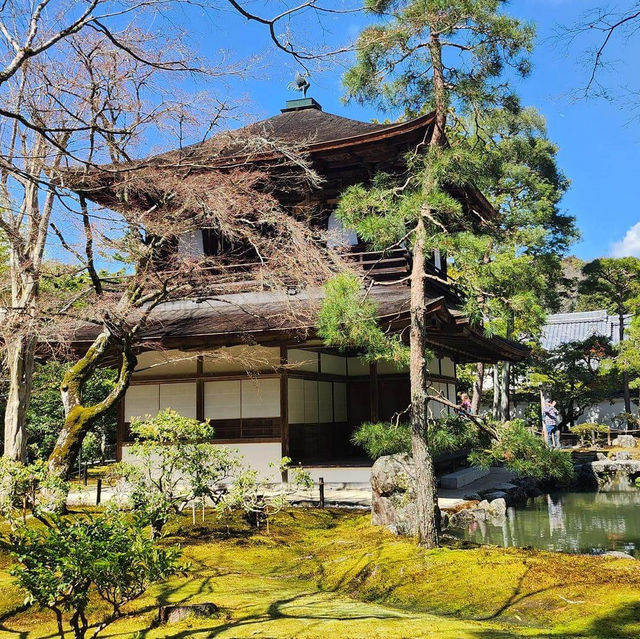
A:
(279, 318)
(342, 150)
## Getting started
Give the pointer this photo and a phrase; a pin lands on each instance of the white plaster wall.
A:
(357, 366)
(296, 401)
(340, 401)
(222, 399)
(603, 413)
(240, 359)
(257, 456)
(261, 397)
(333, 364)
(190, 244)
(447, 367)
(171, 362)
(302, 360)
(337, 234)
(389, 368)
(598, 413)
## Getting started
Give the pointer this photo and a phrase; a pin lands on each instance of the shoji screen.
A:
(141, 401)
(222, 399)
(261, 398)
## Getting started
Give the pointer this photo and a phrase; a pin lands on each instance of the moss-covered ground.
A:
(330, 574)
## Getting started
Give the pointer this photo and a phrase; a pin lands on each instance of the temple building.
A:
(252, 363)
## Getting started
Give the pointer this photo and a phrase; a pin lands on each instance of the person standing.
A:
(465, 405)
(550, 417)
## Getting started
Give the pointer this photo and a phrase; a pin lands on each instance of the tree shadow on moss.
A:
(622, 622)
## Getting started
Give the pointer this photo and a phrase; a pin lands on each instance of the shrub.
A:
(60, 564)
(589, 431)
(524, 452)
(175, 465)
(261, 498)
(29, 487)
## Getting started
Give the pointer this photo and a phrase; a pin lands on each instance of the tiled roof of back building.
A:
(563, 328)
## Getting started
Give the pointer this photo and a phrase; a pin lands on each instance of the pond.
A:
(569, 522)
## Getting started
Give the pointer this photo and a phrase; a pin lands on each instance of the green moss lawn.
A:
(330, 574)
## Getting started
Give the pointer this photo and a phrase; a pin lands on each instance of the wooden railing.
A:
(382, 266)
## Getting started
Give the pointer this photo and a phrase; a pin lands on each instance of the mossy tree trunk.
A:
(79, 418)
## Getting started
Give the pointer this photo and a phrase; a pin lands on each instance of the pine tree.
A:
(449, 57)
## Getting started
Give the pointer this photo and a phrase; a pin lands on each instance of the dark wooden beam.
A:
(284, 403)
(199, 388)
(374, 394)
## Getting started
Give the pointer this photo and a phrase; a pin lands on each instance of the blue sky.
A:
(599, 141)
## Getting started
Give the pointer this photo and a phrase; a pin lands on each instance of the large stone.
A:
(393, 494)
(497, 508)
(616, 474)
(618, 554)
(177, 612)
(462, 477)
(625, 441)
(495, 494)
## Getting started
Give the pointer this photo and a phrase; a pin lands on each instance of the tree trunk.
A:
(477, 389)
(426, 496)
(79, 418)
(505, 380)
(496, 392)
(625, 374)
(20, 361)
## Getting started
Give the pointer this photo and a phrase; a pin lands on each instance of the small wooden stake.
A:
(99, 491)
(321, 484)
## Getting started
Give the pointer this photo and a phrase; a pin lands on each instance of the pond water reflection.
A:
(569, 522)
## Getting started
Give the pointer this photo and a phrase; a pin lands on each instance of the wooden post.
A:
(199, 389)
(85, 477)
(373, 392)
(284, 408)
(99, 491)
(321, 485)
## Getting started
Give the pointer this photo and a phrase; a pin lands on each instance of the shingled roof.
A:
(310, 123)
(268, 316)
(563, 328)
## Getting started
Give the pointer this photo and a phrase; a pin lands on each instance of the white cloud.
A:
(629, 245)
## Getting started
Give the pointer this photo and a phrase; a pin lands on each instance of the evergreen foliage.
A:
(574, 374)
(522, 450)
(348, 320)
(444, 435)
